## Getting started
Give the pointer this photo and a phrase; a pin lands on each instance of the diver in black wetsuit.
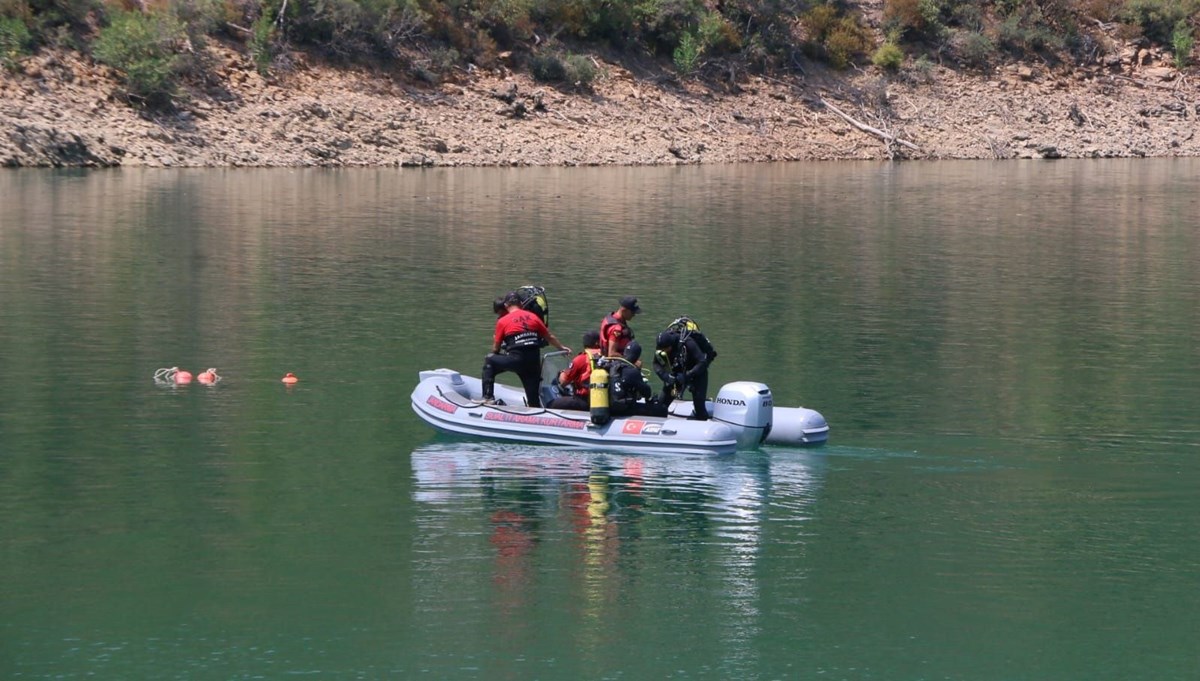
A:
(681, 361)
(628, 390)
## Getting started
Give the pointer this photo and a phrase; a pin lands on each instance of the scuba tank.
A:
(533, 298)
(684, 326)
(670, 390)
(598, 394)
(687, 328)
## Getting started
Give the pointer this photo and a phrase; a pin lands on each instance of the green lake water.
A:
(1006, 354)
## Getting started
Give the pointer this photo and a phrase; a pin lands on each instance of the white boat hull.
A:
(743, 418)
(449, 402)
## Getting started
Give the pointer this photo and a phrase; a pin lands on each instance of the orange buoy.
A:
(183, 377)
(290, 378)
(208, 376)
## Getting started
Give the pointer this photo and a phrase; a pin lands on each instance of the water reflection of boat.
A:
(589, 531)
(448, 472)
(743, 417)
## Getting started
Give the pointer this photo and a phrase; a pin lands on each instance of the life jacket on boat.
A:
(614, 329)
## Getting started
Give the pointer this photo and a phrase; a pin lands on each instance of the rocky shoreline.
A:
(59, 109)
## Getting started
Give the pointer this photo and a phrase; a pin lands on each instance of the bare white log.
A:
(868, 129)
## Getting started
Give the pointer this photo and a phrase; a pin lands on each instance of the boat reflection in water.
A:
(595, 531)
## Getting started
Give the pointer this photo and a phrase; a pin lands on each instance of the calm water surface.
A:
(1006, 353)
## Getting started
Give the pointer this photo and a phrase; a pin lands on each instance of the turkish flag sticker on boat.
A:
(633, 427)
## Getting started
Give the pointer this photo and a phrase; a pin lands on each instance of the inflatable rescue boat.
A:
(743, 417)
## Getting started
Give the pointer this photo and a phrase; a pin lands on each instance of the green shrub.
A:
(765, 34)
(396, 23)
(923, 69)
(616, 22)
(973, 48)
(15, 41)
(1029, 30)
(359, 28)
(758, 51)
(819, 22)
(51, 14)
(888, 57)
(1182, 42)
(687, 54)
(569, 17)
(836, 36)
(143, 50)
(847, 41)
(459, 33)
(573, 69)
(664, 22)
(581, 72)
(548, 68)
(1157, 18)
(16, 9)
(918, 19)
(1104, 10)
(508, 21)
(199, 18)
(438, 63)
(968, 15)
(340, 27)
(262, 43)
(717, 35)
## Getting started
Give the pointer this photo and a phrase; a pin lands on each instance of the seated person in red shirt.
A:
(516, 347)
(575, 377)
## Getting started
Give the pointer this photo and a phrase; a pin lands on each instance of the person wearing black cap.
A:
(519, 333)
(681, 361)
(615, 333)
(575, 377)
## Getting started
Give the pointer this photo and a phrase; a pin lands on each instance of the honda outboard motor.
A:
(748, 405)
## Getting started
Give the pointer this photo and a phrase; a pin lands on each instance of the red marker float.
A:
(182, 377)
(290, 378)
(208, 376)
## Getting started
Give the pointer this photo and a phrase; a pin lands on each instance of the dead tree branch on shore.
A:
(886, 137)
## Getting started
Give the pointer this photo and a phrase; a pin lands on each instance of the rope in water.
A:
(166, 374)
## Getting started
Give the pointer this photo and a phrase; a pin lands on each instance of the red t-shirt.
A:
(580, 371)
(520, 329)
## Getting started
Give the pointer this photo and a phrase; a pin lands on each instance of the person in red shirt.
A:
(516, 347)
(615, 333)
(575, 377)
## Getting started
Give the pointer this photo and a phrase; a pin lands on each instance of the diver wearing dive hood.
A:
(681, 361)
